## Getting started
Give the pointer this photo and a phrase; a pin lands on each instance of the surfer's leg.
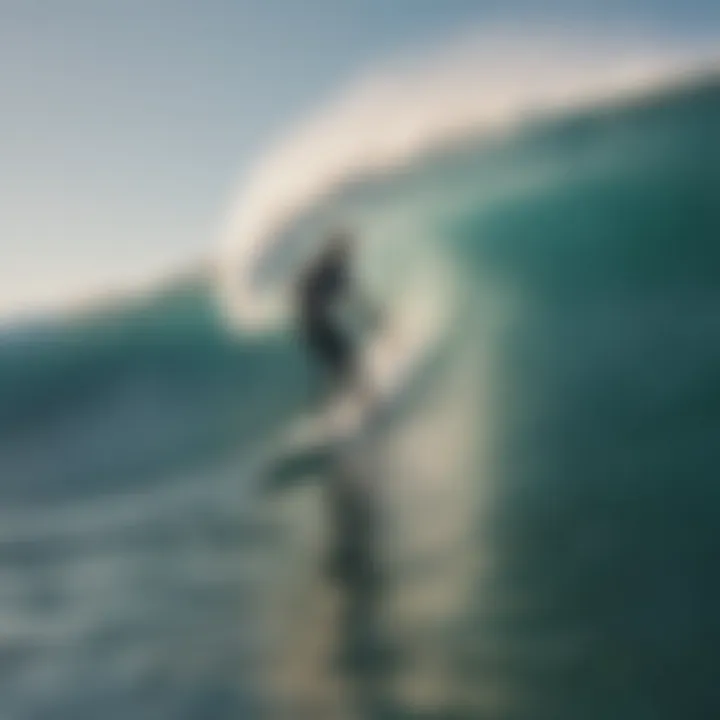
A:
(339, 361)
(319, 351)
(347, 367)
(337, 357)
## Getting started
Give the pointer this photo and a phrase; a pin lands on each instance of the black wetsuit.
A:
(321, 291)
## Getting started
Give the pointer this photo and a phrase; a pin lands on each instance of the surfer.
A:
(324, 294)
(333, 320)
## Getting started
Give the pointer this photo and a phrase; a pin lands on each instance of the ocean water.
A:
(533, 523)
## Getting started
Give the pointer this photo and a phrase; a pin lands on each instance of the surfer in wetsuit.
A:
(324, 289)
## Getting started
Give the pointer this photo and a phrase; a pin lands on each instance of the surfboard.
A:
(386, 364)
(392, 363)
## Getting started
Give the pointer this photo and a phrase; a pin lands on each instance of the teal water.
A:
(544, 511)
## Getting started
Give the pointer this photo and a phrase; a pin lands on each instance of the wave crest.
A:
(481, 84)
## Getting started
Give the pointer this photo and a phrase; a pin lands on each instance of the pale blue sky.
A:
(125, 124)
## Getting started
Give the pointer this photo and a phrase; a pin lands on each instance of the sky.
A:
(127, 125)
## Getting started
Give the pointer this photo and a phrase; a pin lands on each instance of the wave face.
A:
(550, 492)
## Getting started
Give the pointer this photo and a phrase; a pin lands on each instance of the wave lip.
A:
(484, 84)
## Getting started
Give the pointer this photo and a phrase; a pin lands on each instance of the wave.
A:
(482, 86)
(556, 476)
(432, 234)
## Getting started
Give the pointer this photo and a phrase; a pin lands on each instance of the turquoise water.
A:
(545, 505)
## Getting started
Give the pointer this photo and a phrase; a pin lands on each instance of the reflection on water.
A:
(336, 661)
(383, 576)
